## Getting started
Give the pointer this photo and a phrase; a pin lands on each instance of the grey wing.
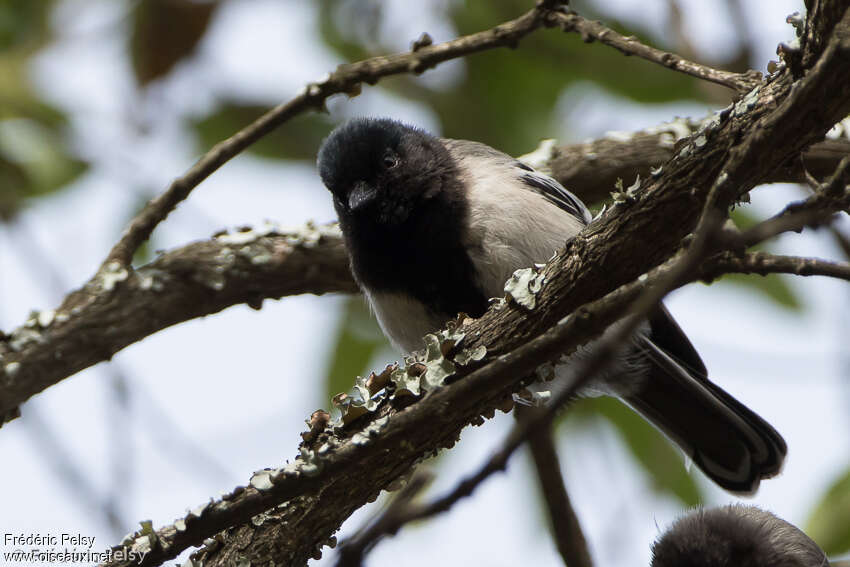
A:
(534, 180)
(554, 192)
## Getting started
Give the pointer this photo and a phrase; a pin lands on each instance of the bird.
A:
(735, 535)
(435, 226)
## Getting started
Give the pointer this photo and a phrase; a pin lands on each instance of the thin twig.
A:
(815, 211)
(351, 553)
(596, 31)
(763, 263)
(565, 525)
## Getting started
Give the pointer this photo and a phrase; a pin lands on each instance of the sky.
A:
(190, 412)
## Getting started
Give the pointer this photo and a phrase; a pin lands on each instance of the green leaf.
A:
(358, 339)
(17, 97)
(651, 449)
(829, 524)
(164, 32)
(297, 139)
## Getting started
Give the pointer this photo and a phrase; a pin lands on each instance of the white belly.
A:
(404, 320)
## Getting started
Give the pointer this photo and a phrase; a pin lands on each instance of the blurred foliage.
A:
(298, 139)
(357, 341)
(23, 24)
(33, 162)
(165, 32)
(664, 463)
(829, 524)
(34, 157)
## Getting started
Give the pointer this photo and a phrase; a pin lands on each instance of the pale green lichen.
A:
(23, 337)
(355, 402)
(367, 433)
(198, 510)
(840, 130)
(262, 480)
(626, 196)
(46, 318)
(619, 136)
(112, 274)
(405, 383)
(149, 279)
(311, 464)
(308, 235)
(747, 102)
(260, 259)
(523, 287)
(679, 128)
(146, 539)
(470, 355)
(437, 366)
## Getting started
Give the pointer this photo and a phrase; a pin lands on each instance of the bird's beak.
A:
(361, 195)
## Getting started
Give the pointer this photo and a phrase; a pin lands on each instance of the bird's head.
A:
(379, 170)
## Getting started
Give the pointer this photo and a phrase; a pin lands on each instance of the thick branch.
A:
(592, 168)
(118, 308)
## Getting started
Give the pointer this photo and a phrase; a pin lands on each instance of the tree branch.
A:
(592, 168)
(118, 308)
(596, 31)
(762, 263)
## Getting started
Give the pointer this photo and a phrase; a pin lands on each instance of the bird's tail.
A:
(730, 443)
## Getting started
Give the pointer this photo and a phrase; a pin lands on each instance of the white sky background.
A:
(214, 399)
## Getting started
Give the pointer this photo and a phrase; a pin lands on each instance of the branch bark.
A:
(762, 263)
(117, 308)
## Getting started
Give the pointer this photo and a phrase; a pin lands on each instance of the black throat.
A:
(422, 256)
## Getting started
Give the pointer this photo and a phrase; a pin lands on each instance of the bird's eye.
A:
(390, 160)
